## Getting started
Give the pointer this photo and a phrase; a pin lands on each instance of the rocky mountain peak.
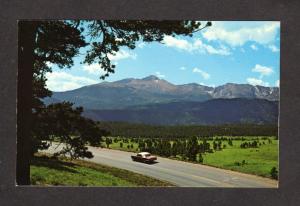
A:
(151, 89)
(151, 78)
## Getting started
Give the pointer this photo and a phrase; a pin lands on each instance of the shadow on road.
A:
(148, 163)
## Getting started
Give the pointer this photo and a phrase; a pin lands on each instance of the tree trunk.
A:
(26, 36)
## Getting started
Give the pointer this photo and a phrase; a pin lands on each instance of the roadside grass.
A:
(46, 170)
(257, 161)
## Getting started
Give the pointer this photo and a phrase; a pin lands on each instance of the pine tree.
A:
(57, 42)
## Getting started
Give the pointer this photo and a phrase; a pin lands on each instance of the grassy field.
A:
(48, 171)
(258, 161)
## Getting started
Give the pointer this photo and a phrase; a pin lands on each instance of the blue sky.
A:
(228, 52)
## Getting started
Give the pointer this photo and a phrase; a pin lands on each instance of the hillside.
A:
(216, 111)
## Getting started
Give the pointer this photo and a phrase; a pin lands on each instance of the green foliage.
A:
(55, 42)
(200, 158)
(253, 144)
(274, 173)
(230, 142)
(131, 130)
(215, 146)
(236, 163)
(192, 149)
(108, 141)
(63, 123)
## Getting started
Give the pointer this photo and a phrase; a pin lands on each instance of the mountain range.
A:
(157, 101)
(149, 90)
(211, 112)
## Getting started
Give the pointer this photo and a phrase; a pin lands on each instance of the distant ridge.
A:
(153, 90)
(211, 112)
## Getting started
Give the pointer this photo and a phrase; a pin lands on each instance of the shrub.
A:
(36, 178)
(230, 142)
(274, 173)
(237, 163)
(82, 184)
(200, 160)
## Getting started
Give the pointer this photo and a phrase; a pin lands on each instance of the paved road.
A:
(180, 173)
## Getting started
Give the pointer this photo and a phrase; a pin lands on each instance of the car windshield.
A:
(147, 155)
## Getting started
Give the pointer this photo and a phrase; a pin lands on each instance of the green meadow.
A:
(258, 161)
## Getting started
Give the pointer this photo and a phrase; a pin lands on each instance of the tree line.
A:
(123, 129)
(186, 148)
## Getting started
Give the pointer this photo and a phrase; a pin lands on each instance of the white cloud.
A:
(253, 47)
(170, 41)
(277, 83)
(49, 64)
(62, 81)
(182, 68)
(159, 75)
(263, 70)
(122, 54)
(273, 48)
(141, 45)
(196, 46)
(211, 50)
(94, 69)
(204, 74)
(254, 81)
(264, 33)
